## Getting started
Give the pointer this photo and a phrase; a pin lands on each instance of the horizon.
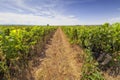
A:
(59, 12)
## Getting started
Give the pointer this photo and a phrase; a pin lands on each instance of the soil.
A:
(107, 77)
(61, 60)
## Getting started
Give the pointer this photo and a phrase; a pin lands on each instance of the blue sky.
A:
(59, 12)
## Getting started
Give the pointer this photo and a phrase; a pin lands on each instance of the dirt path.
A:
(61, 62)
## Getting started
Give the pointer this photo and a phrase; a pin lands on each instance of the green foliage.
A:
(15, 43)
(97, 39)
(106, 25)
(106, 39)
(90, 71)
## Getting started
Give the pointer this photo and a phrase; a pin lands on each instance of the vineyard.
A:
(60, 53)
(102, 47)
(16, 44)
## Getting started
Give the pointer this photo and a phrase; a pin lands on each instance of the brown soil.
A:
(107, 77)
(61, 61)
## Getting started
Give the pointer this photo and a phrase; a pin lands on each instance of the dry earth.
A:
(61, 61)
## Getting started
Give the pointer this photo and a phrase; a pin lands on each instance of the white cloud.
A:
(71, 16)
(22, 5)
(40, 7)
(14, 18)
(43, 7)
(16, 5)
(113, 20)
(39, 12)
(24, 12)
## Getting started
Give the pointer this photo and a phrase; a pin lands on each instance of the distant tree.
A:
(47, 24)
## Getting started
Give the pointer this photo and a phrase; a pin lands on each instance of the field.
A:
(60, 53)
